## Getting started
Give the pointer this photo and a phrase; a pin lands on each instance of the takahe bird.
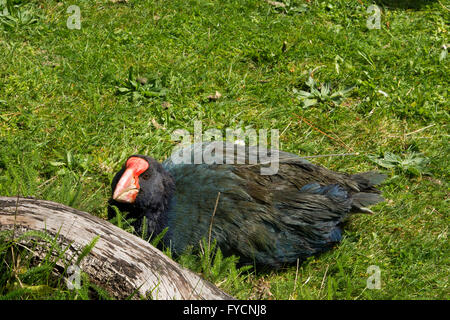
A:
(264, 219)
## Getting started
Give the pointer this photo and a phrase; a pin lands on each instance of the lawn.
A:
(76, 102)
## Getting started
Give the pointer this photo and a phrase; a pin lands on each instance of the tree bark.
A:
(120, 262)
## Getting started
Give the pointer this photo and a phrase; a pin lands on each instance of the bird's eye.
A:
(146, 175)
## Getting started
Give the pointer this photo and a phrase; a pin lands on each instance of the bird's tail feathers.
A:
(369, 179)
(362, 200)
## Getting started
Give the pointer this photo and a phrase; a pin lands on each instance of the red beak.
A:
(127, 188)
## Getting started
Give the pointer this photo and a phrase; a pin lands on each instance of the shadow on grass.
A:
(404, 4)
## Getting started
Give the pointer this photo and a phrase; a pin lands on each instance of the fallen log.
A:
(120, 263)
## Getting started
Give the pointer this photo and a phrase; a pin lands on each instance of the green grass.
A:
(24, 278)
(66, 126)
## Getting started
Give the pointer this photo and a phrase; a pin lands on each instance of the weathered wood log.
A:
(120, 263)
